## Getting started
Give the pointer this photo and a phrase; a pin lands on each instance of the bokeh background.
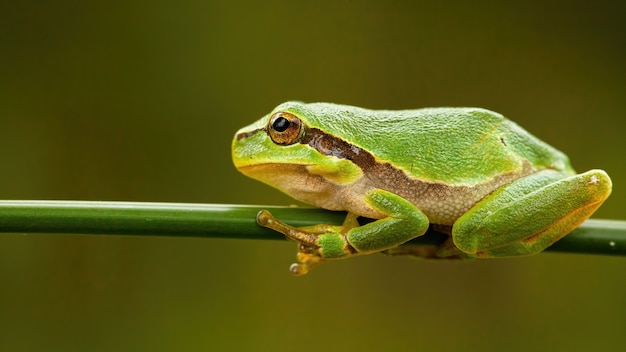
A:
(139, 100)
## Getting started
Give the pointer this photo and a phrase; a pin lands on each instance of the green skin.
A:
(494, 188)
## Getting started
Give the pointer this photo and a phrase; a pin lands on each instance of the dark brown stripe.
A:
(382, 174)
(241, 136)
(330, 145)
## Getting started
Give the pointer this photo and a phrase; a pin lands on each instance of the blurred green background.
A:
(139, 100)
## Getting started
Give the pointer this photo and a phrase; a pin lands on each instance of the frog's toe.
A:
(298, 269)
(308, 257)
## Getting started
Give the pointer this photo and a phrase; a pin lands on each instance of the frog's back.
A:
(464, 146)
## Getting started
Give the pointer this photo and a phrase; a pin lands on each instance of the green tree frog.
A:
(470, 173)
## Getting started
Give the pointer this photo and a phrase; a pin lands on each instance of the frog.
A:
(491, 187)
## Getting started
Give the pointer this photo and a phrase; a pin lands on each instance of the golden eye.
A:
(285, 128)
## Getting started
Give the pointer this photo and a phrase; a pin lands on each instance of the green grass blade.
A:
(231, 221)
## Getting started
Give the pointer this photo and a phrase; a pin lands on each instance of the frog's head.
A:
(289, 149)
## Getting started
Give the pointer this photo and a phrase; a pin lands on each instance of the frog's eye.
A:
(285, 128)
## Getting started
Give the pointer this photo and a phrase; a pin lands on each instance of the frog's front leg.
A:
(528, 215)
(402, 221)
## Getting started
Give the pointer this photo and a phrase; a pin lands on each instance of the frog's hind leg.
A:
(528, 215)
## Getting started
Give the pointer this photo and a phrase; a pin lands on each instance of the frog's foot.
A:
(314, 242)
(308, 257)
(266, 219)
